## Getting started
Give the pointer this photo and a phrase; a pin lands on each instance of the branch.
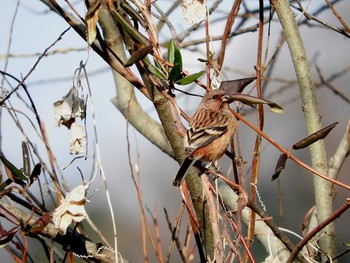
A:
(337, 160)
(75, 242)
(265, 230)
(323, 189)
(125, 101)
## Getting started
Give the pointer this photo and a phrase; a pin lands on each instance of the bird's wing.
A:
(203, 131)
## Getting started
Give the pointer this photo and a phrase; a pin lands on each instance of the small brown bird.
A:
(211, 128)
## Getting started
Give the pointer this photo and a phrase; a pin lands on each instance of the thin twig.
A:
(317, 229)
(290, 156)
(100, 166)
(229, 23)
(337, 15)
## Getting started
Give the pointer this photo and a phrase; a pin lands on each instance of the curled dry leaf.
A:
(69, 107)
(7, 236)
(194, 11)
(281, 164)
(91, 19)
(35, 173)
(67, 110)
(38, 226)
(71, 209)
(78, 141)
(314, 137)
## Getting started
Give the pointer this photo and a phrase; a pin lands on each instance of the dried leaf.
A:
(139, 55)
(38, 226)
(235, 86)
(280, 165)
(35, 173)
(69, 107)
(78, 141)
(8, 236)
(314, 137)
(71, 209)
(26, 159)
(194, 11)
(91, 19)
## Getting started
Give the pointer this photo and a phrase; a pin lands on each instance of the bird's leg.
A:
(213, 166)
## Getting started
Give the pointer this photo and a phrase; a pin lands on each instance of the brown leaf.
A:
(280, 165)
(91, 19)
(235, 86)
(35, 173)
(40, 224)
(139, 55)
(314, 137)
(7, 236)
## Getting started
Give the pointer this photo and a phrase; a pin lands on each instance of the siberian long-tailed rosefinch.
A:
(210, 132)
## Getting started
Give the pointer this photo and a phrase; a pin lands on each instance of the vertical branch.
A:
(323, 189)
(209, 55)
(257, 147)
(230, 21)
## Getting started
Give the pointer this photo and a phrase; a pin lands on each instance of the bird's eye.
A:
(216, 97)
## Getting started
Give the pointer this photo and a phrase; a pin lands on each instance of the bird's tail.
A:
(185, 166)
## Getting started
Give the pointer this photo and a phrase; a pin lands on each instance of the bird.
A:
(209, 133)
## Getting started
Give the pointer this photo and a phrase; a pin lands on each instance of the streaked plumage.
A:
(210, 131)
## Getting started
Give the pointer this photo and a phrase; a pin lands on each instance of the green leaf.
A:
(155, 70)
(26, 159)
(176, 72)
(177, 58)
(189, 79)
(4, 184)
(129, 29)
(171, 51)
(16, 173)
